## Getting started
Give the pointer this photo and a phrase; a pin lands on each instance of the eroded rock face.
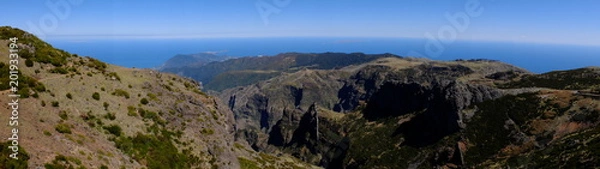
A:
(437, 95)
(433, 94)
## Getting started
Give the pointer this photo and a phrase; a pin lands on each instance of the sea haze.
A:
(149, 53)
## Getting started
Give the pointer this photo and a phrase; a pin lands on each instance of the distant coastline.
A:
(150, 53)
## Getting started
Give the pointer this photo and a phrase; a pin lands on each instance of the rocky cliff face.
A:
(426, 96)
(395, 112)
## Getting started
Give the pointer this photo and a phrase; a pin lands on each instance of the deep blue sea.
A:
(149, 53)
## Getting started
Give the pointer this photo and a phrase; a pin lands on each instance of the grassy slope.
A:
(67, 126)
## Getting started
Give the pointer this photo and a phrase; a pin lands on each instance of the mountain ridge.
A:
(187, 60)
(374, 111)
(79, 112)
(285, 62)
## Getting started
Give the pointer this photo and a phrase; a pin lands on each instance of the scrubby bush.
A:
(115, 75)
(119, 92)
(98, 65)
(96, 96)
(28, 63)
(63, 128)
(131, 111)
(63, 115)
(110, 116)
(59, 70)
(69, 96)
(61, 162)
(144, 101)
(55, 104)
(114, 129)
(157, 150)
(6, 162)
(152, 96)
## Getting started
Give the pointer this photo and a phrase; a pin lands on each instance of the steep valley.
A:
(397, 112)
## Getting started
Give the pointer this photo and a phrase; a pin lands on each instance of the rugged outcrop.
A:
(426, 97)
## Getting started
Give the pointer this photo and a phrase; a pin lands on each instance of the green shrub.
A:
(157, 151)
(152, 96)
(96, 96)
(144, 101)
(63, 162)
(110, 116)
(6, 162)
(114, 129)
(59, 70)
(63, 128)
(206, 131)
(247, 164)
(131, 111)
(63, 115)
(115, 75)
(69, 96)
(122, 93)
(105, 104)
(147, 114)
(98, 65)
(28, 63)
(55, 104)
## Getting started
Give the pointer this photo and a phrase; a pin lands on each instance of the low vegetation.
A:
(144, 101)
(64, 162)
(121, 93)
(96, 96)
(247, 164)
(6, 162)
(63, 128)
(155, 151)
(578, 79)
(27, 84)
(114, 130)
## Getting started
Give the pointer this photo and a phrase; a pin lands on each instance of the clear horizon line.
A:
(83, 38)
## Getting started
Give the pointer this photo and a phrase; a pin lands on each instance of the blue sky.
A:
(550, 21)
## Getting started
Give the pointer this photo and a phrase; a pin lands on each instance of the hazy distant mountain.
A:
(248, 70)
(198, 59)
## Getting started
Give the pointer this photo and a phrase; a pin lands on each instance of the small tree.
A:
(96, 96)
(28, 63)
(144, 101)
(55, 104)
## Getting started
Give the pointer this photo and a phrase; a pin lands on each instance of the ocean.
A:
(150, 53)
